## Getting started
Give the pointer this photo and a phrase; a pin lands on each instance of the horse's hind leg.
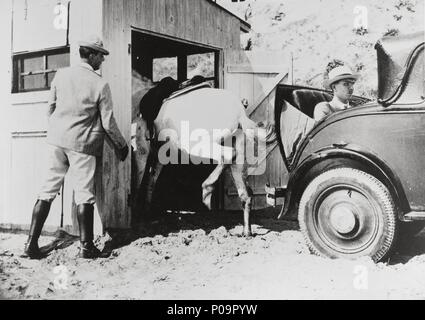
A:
(208, 184)
(239, 174)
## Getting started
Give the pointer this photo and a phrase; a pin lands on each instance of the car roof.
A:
(394, 54)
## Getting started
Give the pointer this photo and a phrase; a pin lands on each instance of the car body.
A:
(357, 176)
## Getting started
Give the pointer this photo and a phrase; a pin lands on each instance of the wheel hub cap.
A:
(343, 219)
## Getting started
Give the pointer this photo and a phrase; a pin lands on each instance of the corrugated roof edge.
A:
(245, 26)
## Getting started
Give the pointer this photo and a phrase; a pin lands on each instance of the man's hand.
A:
(123, 153)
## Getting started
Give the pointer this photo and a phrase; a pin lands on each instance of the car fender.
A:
(342, 155)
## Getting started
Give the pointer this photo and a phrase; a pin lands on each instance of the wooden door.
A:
(254, 76)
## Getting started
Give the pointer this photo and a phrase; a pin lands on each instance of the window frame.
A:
(213, 78)
(154, 75)
(214, 62)
(18, 61)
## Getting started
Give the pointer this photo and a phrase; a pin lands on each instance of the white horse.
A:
(214, 116)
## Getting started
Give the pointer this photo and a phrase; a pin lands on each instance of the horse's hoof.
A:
(247, 234)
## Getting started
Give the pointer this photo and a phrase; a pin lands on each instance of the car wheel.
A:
(348, 213)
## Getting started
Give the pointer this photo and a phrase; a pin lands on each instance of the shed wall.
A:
(192, 20)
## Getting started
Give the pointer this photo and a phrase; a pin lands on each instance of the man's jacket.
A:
(80, 111)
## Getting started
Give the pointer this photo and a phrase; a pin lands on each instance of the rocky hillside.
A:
(316, 31)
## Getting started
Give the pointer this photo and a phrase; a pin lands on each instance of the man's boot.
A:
(85, 222)
(39, 216)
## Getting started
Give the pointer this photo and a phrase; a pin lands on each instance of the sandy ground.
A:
(202, 256)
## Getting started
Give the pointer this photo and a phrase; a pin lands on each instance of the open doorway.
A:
(155, 57)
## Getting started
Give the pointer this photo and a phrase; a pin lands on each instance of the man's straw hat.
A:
(339, 73)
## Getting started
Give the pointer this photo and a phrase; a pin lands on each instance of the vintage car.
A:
(357, 177)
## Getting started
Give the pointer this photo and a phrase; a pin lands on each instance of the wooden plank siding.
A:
(116, 176)
(248, 75)
(191, 20)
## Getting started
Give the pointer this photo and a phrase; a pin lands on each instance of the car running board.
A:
(414, 215)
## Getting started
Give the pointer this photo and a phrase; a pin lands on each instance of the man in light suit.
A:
(341, 81)
(80, 117)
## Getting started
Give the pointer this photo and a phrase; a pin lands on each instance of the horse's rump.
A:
(206, 109)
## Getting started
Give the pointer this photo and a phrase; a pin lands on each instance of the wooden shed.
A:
(138, 33)
(141, 31)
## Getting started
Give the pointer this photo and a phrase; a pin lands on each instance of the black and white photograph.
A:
(212, 150)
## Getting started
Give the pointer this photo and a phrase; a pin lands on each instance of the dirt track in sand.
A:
(203, 257)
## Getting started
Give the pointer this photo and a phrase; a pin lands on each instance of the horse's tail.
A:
(247, 124)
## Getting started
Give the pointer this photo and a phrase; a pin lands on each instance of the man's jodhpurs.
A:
(82, 174)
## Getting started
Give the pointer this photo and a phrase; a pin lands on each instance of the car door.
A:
(294, 116)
